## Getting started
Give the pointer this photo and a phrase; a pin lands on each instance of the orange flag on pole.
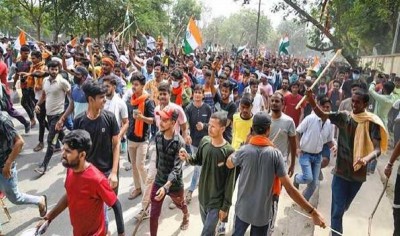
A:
(21, 40)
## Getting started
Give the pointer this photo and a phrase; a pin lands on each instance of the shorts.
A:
(326, 151)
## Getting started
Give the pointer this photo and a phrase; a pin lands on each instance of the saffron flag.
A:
(20, 41)
(192, 38)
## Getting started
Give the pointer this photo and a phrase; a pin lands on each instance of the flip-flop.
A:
(43, 211)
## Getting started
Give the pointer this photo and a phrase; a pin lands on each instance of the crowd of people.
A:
(233, 117)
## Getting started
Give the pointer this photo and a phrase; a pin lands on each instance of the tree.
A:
(36, 12)
(62, 12)
(181, 13)
(356, 26)
(239, 29)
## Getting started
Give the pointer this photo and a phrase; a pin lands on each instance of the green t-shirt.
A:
(216, 180)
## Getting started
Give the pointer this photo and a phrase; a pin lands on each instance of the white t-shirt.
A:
(258, 104)
(118, 107)
(150, 42)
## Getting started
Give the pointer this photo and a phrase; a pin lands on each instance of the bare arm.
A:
(60, 207)
(293, 148)
(115, 146)
(316, 108)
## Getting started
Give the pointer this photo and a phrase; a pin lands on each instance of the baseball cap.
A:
(261, 120)
(81, 70)
(168, 113)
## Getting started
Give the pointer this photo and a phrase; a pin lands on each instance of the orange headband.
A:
(108, 60)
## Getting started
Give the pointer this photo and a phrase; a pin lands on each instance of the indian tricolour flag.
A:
(20, 41)
(241, 49)
(283, 46)
(192, 38)
(317, 67)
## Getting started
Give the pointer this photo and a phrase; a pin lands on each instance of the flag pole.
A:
(28, 34)
(124, 30)
(338, 52)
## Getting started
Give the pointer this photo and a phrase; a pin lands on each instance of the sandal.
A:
(38, 147)
(185, 222)
(43, 209)
(134, 194)
(188, 197)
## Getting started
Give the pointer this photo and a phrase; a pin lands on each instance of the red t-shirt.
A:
(290, 107)
(3, 76)
(87, 192)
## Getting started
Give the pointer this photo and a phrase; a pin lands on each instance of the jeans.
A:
(14, 113)
(311, 166)
(343, 193)
(151, 175)
(372, 166)
(271, 225)
(196, 173)
(241, 227)
(209, 217)
(396, 207)
(42, 122)
(52, 120)
(10, 188)
(28, 101)
(155, 210)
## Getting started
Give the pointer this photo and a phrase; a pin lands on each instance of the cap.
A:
(81, 70)
(78, 139)
(261, 120)
(168, 113)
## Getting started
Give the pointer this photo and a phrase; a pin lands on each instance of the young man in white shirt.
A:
(258, 100)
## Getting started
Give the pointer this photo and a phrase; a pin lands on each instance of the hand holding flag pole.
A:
(338, 52)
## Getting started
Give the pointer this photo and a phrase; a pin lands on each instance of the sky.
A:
(227, 7)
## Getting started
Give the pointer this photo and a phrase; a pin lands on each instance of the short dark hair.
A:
(92, 88)
(198, 87)
(25, 48)
(337, 81)
(177, 74)
(150, 62)
(229, 66)
(254, 81)
(139, 77)
(255, 74)
(295, 83)
(53, 64)
(37, 54)
(164, 87)
(246, 100)
(324, 100)
(363, 94)
(221, 116)
(226, 84)
(388, 87)
(78, 139)
(111, 79)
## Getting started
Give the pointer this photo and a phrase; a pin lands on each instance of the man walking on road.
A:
(87, 190)
(216, 180)
(362, 138)
(168, 179)
(10, 146)
(261, 163)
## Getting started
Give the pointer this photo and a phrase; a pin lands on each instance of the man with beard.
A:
(55, 89)
(151, 86)
(87, 190)
(283, 134)
(284, 87)
(242, 122)
(107, 67)
(224, 104)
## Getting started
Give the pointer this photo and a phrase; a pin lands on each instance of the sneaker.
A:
(221, 229)
(28, 128)
(172, 206)
(123, 147)
(41, 170)
(296, 185)
(38, 147)
(188, 197)
(142, 215)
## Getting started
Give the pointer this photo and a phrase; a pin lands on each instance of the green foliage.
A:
(239, 29)
(182, 10)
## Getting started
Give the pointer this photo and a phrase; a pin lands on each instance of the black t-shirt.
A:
(230, 108)
(7, 136)
(101, 132)
(197, 114)
(148, 112)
